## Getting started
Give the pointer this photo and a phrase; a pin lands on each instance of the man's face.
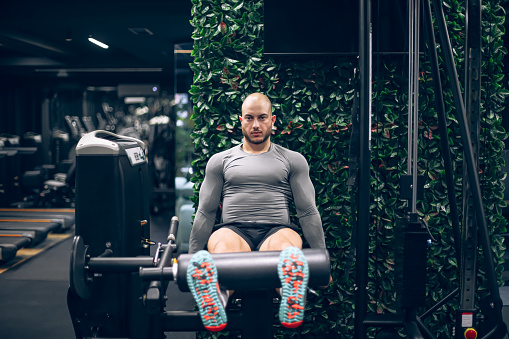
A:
(257, 121)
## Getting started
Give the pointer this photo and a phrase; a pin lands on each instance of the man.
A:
(256, 181)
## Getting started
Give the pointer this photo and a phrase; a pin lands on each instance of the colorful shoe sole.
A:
(202, 281)
(293, 273)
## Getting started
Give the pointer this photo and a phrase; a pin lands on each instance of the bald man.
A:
(256, 181)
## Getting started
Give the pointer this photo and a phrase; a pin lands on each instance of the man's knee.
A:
(282, 239)
(224, 247)
(227, 241)
(279, 246)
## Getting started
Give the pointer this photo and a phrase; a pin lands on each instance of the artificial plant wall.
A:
(313, 99)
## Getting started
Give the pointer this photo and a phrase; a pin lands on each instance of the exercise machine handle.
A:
(174, 224)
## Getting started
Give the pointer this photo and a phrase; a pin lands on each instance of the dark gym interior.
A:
(55, 85)
(131, 97)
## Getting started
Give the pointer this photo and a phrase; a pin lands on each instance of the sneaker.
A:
(202, 281)
(293, 273)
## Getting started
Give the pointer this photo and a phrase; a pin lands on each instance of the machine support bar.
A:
(467, 311)
(442, 128)
(363, 211)
(469, 156)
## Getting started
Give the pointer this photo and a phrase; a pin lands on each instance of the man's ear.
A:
(240, 118)
(273, 119)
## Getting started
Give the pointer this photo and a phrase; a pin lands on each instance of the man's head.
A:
(257, 119)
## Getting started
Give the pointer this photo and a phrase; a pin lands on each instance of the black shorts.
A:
(254, 233)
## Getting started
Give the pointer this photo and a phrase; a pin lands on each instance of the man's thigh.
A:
(282, 239)
(225, 240)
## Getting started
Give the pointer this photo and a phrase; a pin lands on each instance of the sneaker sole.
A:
(202, 281)
(293, 273)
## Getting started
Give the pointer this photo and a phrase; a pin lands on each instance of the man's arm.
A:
(209, 198)
(304, 198)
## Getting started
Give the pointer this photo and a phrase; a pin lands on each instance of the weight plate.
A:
(78, 273)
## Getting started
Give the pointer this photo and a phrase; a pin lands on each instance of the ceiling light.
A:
(98, 43)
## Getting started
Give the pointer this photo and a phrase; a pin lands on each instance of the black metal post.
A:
(472, 173)
(363, 212)
(467, 311)
(469, 156)
(442, 127)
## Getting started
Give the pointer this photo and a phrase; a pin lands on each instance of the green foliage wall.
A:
(312, 99)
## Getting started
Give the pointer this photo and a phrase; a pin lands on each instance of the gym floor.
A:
(34, 294)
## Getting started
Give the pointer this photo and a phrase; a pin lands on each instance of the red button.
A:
(470, 333)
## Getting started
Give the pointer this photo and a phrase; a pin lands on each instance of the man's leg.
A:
(282, 239)
(202, 278)
(202, 282)
(293, 273)
(224, 240)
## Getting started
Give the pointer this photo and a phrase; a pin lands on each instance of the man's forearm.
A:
(313, 230)
(202, 228)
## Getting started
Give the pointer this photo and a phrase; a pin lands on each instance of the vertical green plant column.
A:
(312, 99)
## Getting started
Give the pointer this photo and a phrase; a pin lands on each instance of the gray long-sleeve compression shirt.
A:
(257, 188)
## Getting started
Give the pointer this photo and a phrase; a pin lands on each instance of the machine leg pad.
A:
(293, 272)
(202, 281)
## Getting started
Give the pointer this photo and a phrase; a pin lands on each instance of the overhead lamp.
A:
(97, 42)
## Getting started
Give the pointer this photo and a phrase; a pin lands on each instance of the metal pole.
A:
(413, 98)
(469, 156)
(466, 313)
(415, 111)
(442, 128)
(361, 297)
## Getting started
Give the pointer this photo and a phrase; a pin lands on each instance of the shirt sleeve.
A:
(304, 198)
(209, 199)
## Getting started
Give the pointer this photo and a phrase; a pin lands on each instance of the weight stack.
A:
(112, 213)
